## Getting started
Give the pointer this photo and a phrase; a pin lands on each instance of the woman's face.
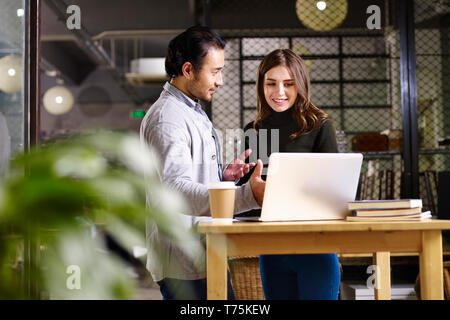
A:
(280, 90)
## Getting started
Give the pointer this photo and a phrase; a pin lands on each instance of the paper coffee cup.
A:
(221, 200)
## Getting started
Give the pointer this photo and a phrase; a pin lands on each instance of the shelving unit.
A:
(137, 79)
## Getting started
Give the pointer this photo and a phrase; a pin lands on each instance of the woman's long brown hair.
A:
(307, 115)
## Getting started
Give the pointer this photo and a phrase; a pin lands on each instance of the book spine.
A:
(386, 212)
(435, 190)
(423, 191)
(433, 187)
(389, 186)
(427, 191)
(397, 184)
(377, 185)
(370, 187)
(359, 189)
(364, 187)
(431, 192)
(383, 185)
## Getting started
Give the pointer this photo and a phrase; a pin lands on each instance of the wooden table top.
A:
(214, 226)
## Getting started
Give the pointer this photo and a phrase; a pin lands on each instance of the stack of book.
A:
(387, 210)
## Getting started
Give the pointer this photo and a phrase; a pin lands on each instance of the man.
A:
(180, 131)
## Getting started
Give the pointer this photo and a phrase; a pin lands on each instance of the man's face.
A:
(209, 77)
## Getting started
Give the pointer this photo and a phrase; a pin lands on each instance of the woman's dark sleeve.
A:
(326, 139)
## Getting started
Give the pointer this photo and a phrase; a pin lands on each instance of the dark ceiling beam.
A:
(56, 59)
(201, 11)
(206, 13)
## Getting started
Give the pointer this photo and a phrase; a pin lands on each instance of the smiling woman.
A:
(279, 88)
(284, 106)
(282, 83)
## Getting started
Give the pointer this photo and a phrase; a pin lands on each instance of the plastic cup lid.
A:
(221, 185)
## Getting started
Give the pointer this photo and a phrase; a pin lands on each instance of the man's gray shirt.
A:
(181, 133)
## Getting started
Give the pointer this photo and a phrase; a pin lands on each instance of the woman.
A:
(284, 104)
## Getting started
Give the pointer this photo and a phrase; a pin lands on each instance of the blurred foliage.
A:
(52, 193)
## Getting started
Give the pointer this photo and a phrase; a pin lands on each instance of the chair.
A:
(246, 278)
(446, 269)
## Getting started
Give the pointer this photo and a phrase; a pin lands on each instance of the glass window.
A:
(12, 126)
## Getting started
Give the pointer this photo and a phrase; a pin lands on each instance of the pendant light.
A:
(58, 100)
(321, 15)
(11, 71)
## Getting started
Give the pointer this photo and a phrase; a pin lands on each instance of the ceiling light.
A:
(58, 100)
(313, 15)
(11, 74)
(51, 73)
(321, 5)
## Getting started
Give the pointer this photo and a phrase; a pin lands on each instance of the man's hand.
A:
(257, 183)
(238, 168)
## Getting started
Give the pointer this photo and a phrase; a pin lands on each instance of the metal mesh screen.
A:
(432, 44)
(355, 78)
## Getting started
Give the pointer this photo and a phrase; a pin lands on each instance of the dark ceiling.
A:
(278, 14)
(74, 53)
(101, 15)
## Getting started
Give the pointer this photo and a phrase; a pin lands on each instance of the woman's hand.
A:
(257, 183)
(238, 168)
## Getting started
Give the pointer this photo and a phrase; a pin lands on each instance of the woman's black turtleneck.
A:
(322, 139)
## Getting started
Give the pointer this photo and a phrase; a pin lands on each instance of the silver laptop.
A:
(309, 186)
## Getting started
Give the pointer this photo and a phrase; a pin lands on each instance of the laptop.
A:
(309, 186)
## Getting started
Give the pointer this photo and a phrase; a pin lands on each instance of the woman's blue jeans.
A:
(300, 276)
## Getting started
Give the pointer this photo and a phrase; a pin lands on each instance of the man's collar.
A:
(181, 96)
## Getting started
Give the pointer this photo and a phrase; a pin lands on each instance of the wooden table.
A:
(379, 238)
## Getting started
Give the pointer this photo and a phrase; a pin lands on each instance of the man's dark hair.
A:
(191, 46)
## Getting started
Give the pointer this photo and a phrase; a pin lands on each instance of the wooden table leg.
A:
(431, 272)
(383, 277)
(216, 266)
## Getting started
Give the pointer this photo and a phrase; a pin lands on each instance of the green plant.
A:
(102, 177)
